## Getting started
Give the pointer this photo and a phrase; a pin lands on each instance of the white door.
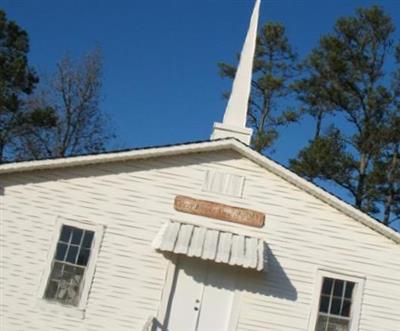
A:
(201, 297)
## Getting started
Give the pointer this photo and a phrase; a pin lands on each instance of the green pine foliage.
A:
(346, 87)
(275, 66)
(17, 81)
(58, 118)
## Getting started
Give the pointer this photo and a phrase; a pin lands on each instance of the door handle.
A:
(196, 307)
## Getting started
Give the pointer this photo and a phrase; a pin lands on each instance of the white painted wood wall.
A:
(132, 199)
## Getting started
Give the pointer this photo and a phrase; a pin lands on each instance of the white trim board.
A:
(78, 311)
(356, 307)
(209, 146)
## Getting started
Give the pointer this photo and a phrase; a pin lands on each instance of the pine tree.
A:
(346, 77)
(17, 80)
(275, 65)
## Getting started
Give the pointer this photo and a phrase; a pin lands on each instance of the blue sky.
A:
(161, 82)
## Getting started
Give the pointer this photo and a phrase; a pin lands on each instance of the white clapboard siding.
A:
(133, 199)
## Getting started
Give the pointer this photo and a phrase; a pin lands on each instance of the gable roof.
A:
(201, 147)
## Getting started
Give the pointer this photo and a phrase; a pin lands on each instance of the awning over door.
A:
(211, 244)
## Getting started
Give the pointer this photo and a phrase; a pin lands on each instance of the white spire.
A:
(234, 123)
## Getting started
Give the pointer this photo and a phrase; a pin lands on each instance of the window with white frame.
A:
(337, 302)
(335, 305)
(71, 263)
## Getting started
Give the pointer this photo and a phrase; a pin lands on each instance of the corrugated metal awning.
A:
(211, 244)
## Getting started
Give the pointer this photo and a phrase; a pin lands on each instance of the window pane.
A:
(327, 286)
(65, 233)
(346, 308)
(87, 239)
(69, 289)
(324, 304)
(57, 271)
(321, 323)
(72, 253)
(68, 271)
(83, 257)
(60, 253)
(338, 290)
(335, 307)
(76, 236)
(51, 289)
(64, 285)
(71, 271)
(349, 290)
(336, 324)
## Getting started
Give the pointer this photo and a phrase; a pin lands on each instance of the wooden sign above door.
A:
(219, 211)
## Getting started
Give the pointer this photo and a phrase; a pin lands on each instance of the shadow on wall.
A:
(271, 282)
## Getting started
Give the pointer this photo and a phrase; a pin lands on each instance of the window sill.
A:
(57, 308)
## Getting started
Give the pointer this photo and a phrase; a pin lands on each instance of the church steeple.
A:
(234, 122)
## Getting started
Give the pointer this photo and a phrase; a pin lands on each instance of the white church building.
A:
(205, 236)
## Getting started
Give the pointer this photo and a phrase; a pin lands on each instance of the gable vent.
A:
(223, 183)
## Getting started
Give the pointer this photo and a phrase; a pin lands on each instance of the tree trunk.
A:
(318, 126)
(361, 181)
(388, 208)
(390, 196)
(1, 152)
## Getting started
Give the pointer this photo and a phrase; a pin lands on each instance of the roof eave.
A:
(320, 193)
(118, 156)
(205, 146)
